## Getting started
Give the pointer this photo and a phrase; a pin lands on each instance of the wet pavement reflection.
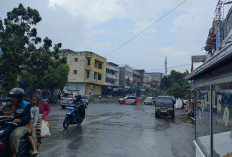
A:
(118, 130)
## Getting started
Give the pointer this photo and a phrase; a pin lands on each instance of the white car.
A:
(131, 100)
(149, 101)
(67, 99)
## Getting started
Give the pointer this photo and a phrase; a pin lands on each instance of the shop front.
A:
(212, 83)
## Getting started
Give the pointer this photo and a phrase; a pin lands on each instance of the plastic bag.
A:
(45, 130)
(46, 122)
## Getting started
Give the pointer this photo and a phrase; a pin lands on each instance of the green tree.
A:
(165, 83)
(26, 55)
(55, 77)
(16, 34)
(177, 91)
(175, 84)
(9, 81)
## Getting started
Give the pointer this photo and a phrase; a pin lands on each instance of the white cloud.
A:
(73, 23)
(104, 10)
(141, 25)
(170, 51)
(191, 27)
(96, 11)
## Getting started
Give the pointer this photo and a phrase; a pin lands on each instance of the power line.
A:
(184, 65)
(162, 17)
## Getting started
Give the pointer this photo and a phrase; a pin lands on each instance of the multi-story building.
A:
(156, 76)
(87, 71)
(111, 82)
(137, 78)
(146, 81)
(125, 78)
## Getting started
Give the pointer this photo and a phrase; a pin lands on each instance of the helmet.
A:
(17, 93)
(78, 97)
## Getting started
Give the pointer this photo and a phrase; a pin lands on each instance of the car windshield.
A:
(164, 101)
(148, 99)
(68, 95)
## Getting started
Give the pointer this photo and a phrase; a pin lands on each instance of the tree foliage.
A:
(27, 55)
(175, 84)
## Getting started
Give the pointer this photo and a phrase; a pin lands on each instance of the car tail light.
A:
(2, 144)
(61, 99)
(72, 100)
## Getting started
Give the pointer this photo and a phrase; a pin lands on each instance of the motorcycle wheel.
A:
(66, 123)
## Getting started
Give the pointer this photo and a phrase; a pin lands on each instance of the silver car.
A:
(149, 101)
(67, 99)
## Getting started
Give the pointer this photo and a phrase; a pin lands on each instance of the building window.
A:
(99, 76)
(75, 59)
(100, 66)
(89, 61)
(74, 71)
(87, 74)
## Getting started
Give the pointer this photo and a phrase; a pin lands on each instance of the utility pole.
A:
(166, 66)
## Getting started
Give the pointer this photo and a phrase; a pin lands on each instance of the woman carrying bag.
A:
(44, 110)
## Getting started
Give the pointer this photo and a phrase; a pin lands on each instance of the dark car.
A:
(164, 106)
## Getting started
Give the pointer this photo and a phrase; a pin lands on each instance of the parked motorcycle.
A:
(75, 114)
(6, 127)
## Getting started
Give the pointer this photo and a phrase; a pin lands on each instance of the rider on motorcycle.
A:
(22, 116)
(80, 109)
(77, 99)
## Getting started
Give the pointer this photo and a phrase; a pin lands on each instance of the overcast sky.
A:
(101, 26)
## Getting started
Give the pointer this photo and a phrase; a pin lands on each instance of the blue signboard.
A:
(218, 38)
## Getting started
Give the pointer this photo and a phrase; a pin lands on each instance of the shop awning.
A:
(223, 57)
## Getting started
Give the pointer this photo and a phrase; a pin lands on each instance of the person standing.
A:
(44, 108)
(34, 120)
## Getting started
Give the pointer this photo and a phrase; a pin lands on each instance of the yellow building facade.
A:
(87, 72)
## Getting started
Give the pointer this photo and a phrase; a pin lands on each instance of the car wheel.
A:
(63, 107)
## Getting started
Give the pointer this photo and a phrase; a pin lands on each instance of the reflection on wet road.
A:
(113, 130)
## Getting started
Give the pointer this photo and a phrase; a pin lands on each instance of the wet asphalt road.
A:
(114, 130)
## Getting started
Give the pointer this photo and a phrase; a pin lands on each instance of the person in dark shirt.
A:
(22, 117)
